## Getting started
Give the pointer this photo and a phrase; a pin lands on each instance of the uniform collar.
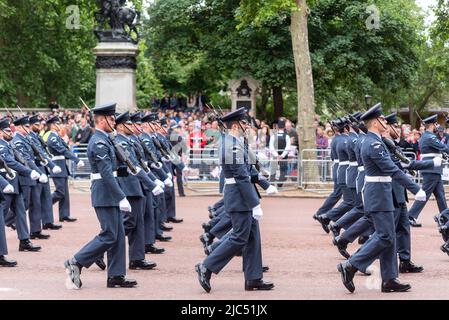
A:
(101, 132)
(376, 135)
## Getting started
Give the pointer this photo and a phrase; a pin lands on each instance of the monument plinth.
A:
(116, 74)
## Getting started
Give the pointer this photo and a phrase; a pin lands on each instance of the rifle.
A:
(150, 154)
(91, 120)
(140, 158)
(9, 173)
(121, 154)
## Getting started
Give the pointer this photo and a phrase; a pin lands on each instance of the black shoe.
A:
(175, 220)
(208, 250)
(444, 232)
(165, 227)
(163, 238)
(324, 220)
(74, 271)
(39, 235)
(315, 217)
(445, 248)
(150, 248)
(12, 226)
(101, 264)
(68, 219)
(206, 239)
(206, 226)
(335, 229)
(26, 245)
(363, 239)
(341, 245)
(347, 274)
(203, 276)
(7, 263)
(51, 226)
(212, 212)
(407, 266)
(414, 223)
(121, 282)
(437, 219)
(142, 265)
(394, 285)
(258, 285)
(265, 268)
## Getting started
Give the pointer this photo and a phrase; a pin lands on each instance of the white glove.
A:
(168, 182)
(257, 212)
(421, 195)
(134, 174)
(157, 190)
(56, 169)
(437, 161)
(271, 190)
(159, 183)
(80, 164)
(124, 205)
(34, 175)
(8, 189)
(405, 165)
(43, 178)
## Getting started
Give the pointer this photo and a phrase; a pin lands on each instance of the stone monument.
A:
(244, 93)
(116, 54)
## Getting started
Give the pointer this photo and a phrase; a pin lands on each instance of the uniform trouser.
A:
(61, 195)
(220, 213)
(111, 239)
(402, 232)
(432, 183)
(347, 204)
(16, 204)
(179, 181)
(382, 245)
(331, 200)
(353, 215)
(170, 201)
(361, 227)
(218, 204)
(244, 236)
(46, 203)
(161, 216)
(134, 228)
(3, 243)
(222, 227)
(149, 218)
(32, 200)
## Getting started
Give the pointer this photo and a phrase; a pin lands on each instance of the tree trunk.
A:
(278, 102)
(262, 110)
(306, 98)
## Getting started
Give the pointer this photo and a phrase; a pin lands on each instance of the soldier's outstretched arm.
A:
(421, 165)
(382, 158)
(104, 165)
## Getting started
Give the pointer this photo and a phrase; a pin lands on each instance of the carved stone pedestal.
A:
(116, 74)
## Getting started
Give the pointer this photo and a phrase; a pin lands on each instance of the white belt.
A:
(353, 164)
(336, 161)
(58, 158)
(97, 176)
(377, 179)
(4, 170)
(427, 155)
(344, 163)
(361, 168)
(229, 181)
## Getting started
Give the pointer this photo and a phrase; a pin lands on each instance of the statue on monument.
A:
(122, 21)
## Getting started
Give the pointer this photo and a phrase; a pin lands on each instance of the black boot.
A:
(26, 245)
(414, 223)
(39, 235)
(51, 226)
(363, 239)
(121, 281)
(394, 285)
(347, 275)
(141, 265)
(73, 269)
(334, 228)
(407, 266)
(150, 248)
(6, 262)
(324, 220)
(341, 245)
(206, 227)
(203, 276)
(206, 239)
(67, 219)
(258, 285)
(445, 248)
(101, 264)
(444, 230)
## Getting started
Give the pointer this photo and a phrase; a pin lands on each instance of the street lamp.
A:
(368, 99)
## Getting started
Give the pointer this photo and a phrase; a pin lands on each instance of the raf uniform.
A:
(242, 203)
(44, 191)
(133, 185)
(379, 172)
(3, 245)
(14, 201)
(430, 148)
(107, 199)
(61, 152)
(29, 187)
